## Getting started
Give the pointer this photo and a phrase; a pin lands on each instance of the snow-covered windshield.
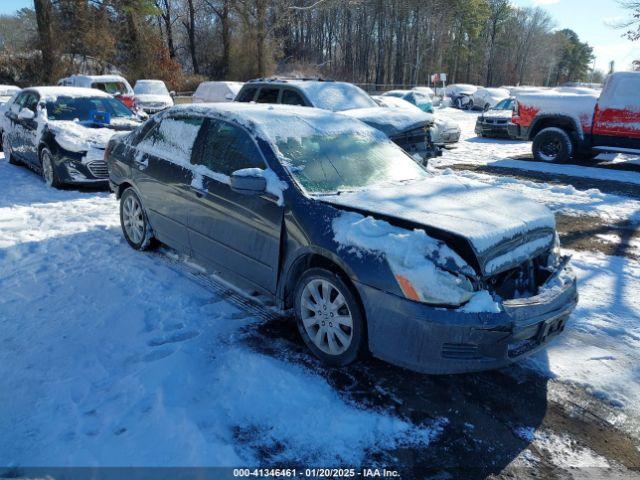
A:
(150, 88)
(346, 161)
(85, 108)
(337, 96)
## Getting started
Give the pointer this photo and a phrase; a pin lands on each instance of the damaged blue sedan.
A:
(336, 223)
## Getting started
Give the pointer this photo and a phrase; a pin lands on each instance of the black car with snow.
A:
(62, 132)
(409, 129)
(325, 216)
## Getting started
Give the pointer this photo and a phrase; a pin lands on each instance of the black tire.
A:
(325, 319)
(49, 174)
(144, 240)
(469, 105)
(552, 145)
(6, 147)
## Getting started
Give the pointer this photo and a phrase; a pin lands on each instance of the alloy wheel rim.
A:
(133, 219)
(47, 169)
(326, 317)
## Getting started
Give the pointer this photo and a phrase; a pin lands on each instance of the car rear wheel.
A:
(8, 153)
(329, 317)
(552, 145)
(48, 171)
(133, 220)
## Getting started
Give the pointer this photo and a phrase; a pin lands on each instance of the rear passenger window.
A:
(268, 95)
(290, 97)
(227, 148)
(172, 139)
(247, 94)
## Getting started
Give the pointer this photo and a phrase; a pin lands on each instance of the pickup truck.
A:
(579, 124)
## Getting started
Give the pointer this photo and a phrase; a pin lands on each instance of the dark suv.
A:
(325, 216)
(410, 130)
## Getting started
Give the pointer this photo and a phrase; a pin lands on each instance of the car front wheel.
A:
(552, 145)
(133, 221)
(329, 317)
(48, 170)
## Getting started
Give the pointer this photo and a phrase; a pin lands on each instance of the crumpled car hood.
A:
(391, 121)
(76, 137)
(503, 228)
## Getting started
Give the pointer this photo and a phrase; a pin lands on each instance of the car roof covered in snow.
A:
(327, 94)
(53, 92)
(274, 123)
(103, 78)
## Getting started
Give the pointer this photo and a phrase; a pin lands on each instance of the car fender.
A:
(565, 122)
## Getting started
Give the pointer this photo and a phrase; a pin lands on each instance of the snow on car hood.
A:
(503, 228)
(391, 121)
(75, 137)
(149, 98)
(498, 114)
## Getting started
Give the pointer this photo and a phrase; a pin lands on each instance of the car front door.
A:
(28, 130)
(229, 230)
(617, 114)
(162, 174)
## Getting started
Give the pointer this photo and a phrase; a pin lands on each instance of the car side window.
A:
(268, 95)
(31, 101)
(227, 148)
(247, 94)
(291, 97)
(139, 133)
(172, 139)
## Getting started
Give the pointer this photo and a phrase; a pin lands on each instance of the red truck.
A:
(577, 123)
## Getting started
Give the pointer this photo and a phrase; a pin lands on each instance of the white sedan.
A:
(486, 98)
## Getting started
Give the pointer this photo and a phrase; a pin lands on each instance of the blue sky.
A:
(590, 19)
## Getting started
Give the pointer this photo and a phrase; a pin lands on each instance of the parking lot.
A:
(111, 357)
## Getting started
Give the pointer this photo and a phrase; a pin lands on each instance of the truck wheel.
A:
(552, 145)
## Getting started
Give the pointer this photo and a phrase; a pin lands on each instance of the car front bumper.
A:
(437, 340)
(78, 169)
(492, 129)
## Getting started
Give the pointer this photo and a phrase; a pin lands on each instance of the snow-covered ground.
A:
(114, 357)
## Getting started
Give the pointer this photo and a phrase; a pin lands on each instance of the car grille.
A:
(521, 281)
(98, 169)
(496, 121)
(412, 140)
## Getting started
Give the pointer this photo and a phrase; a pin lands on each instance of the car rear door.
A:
(616, 121)
(228, 230)
(11, 122)
(162, 174)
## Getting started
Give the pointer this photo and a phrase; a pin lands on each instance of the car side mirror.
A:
(249, 181)
(26, 114)
(229, 96)
(172, 93)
